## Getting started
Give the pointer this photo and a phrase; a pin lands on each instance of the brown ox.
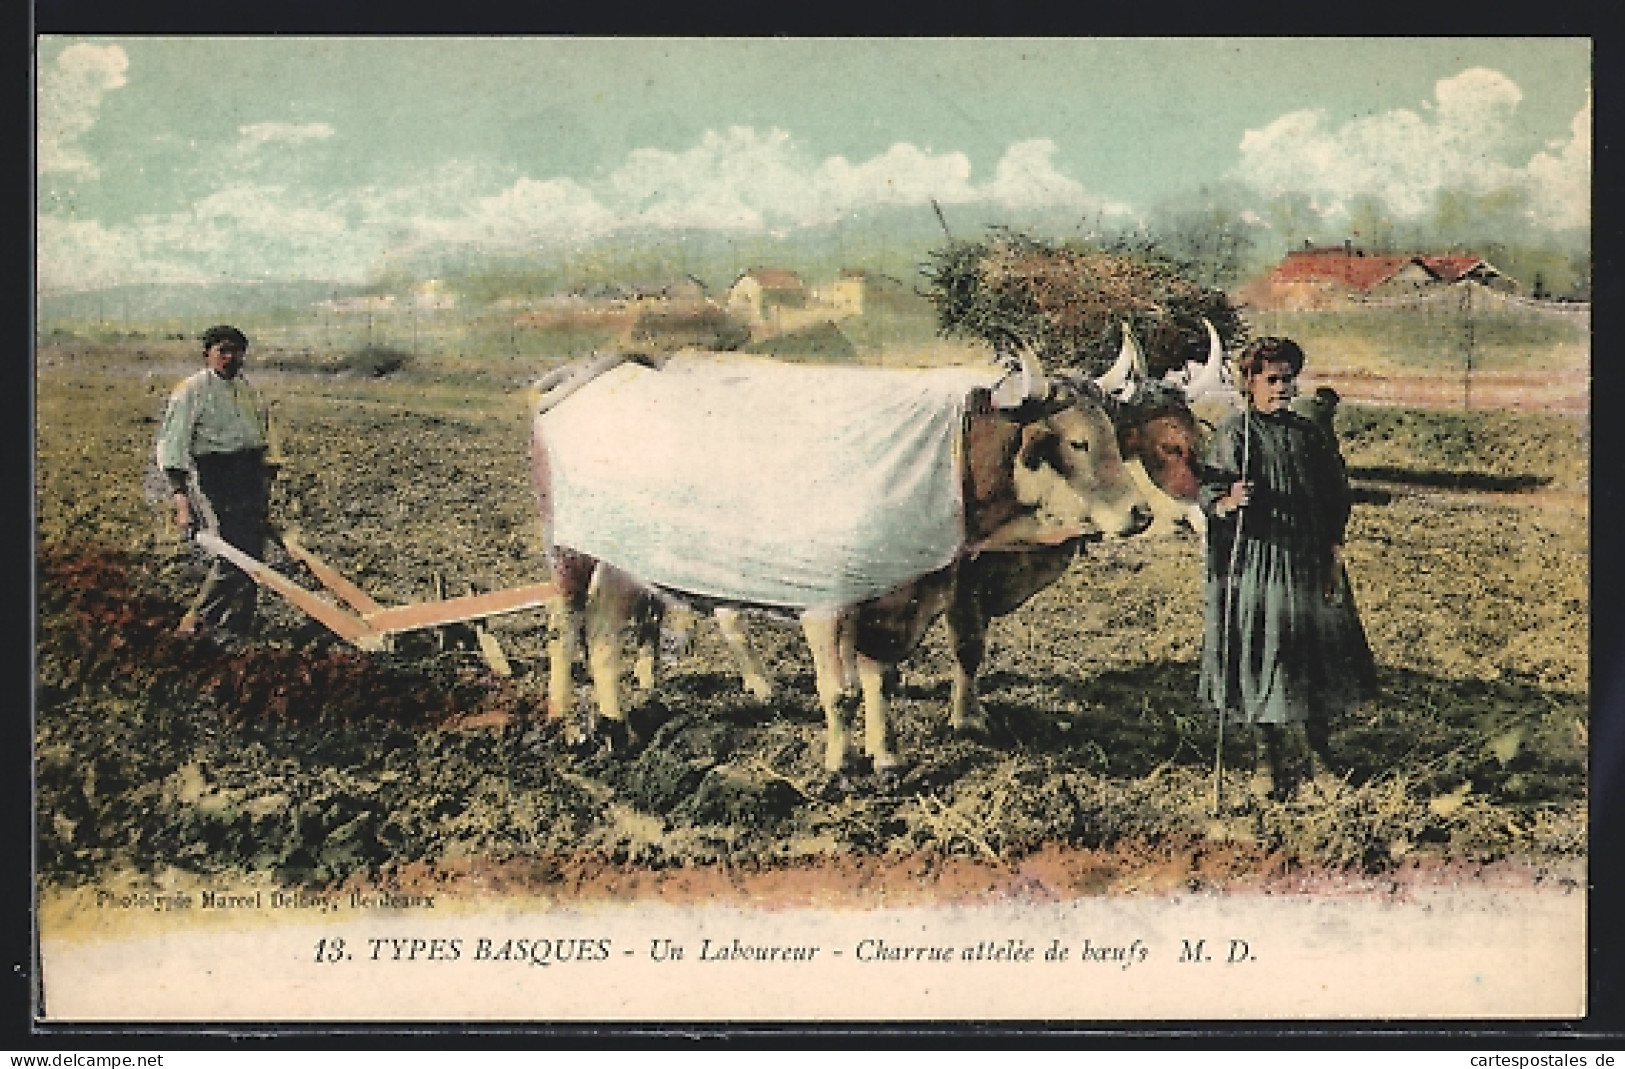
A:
(1036, 477)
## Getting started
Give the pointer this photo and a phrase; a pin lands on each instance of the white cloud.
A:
(903, 174)
(1560, 180)
(731, 180)
(245, 231)
(1457, 142)
(743, 179)
(80, 253)
(527, 213)
(1026, 178)
(735, 179)
(70, 94)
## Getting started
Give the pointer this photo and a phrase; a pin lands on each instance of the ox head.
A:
(1158, 433)
(1068, 465)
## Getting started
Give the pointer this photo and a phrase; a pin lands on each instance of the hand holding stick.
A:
(185, 520)
(1239, 495)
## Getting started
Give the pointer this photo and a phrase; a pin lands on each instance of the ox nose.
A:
(1139, 518)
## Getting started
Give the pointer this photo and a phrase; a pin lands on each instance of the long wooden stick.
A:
(369, 630)
(1225, 623)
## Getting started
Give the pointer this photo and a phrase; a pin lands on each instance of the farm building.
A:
(857, 291)
(1319, 277)
(760, 290)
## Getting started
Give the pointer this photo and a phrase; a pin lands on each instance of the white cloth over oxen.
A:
(762, 482)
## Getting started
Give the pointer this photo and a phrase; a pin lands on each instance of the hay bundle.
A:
(1069, 301)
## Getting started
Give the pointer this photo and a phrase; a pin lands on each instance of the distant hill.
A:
(215, 301)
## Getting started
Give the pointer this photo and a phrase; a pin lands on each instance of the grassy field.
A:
(1438, 338)
(295, 756)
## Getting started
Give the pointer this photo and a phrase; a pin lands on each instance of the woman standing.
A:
(1282, 641)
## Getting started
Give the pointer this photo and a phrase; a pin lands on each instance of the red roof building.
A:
(1318, 277)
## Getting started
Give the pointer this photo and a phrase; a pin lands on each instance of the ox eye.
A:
(1081, 445)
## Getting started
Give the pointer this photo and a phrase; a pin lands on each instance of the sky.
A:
(182, 159)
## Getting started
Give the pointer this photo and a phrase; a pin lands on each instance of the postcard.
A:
(765, 529)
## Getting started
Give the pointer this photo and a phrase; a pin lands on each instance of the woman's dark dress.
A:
(1289, 655)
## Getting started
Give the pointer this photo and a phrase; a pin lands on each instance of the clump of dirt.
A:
(367, 362)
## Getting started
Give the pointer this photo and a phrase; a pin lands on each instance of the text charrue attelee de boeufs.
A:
(586, 948)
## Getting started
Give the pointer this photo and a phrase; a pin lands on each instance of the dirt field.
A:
(296, 756)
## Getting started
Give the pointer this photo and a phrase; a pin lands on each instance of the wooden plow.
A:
(369, 625)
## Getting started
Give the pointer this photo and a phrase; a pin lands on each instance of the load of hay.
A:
(1070, 300)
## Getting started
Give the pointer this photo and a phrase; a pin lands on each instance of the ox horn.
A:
(1125, 376)
(1026, 380)
(1214, 378)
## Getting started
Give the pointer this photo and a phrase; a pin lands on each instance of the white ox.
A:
(1036, 467)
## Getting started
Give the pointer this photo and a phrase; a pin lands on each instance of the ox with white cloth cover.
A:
(752, 480)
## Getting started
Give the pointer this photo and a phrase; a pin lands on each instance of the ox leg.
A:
(751, 667)
(672, 637)
(561, 657)
(877, 728)
(824, 631)
(611, 599)
(967, 634)
(572, 574)
(649, 616)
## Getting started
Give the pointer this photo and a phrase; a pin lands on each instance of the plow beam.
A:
(358, 599)
(371, 629)
(346, 625)
(459, 610)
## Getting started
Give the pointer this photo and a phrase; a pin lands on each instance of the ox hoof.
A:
(836, 788)
(972, 727)
(618, 738)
